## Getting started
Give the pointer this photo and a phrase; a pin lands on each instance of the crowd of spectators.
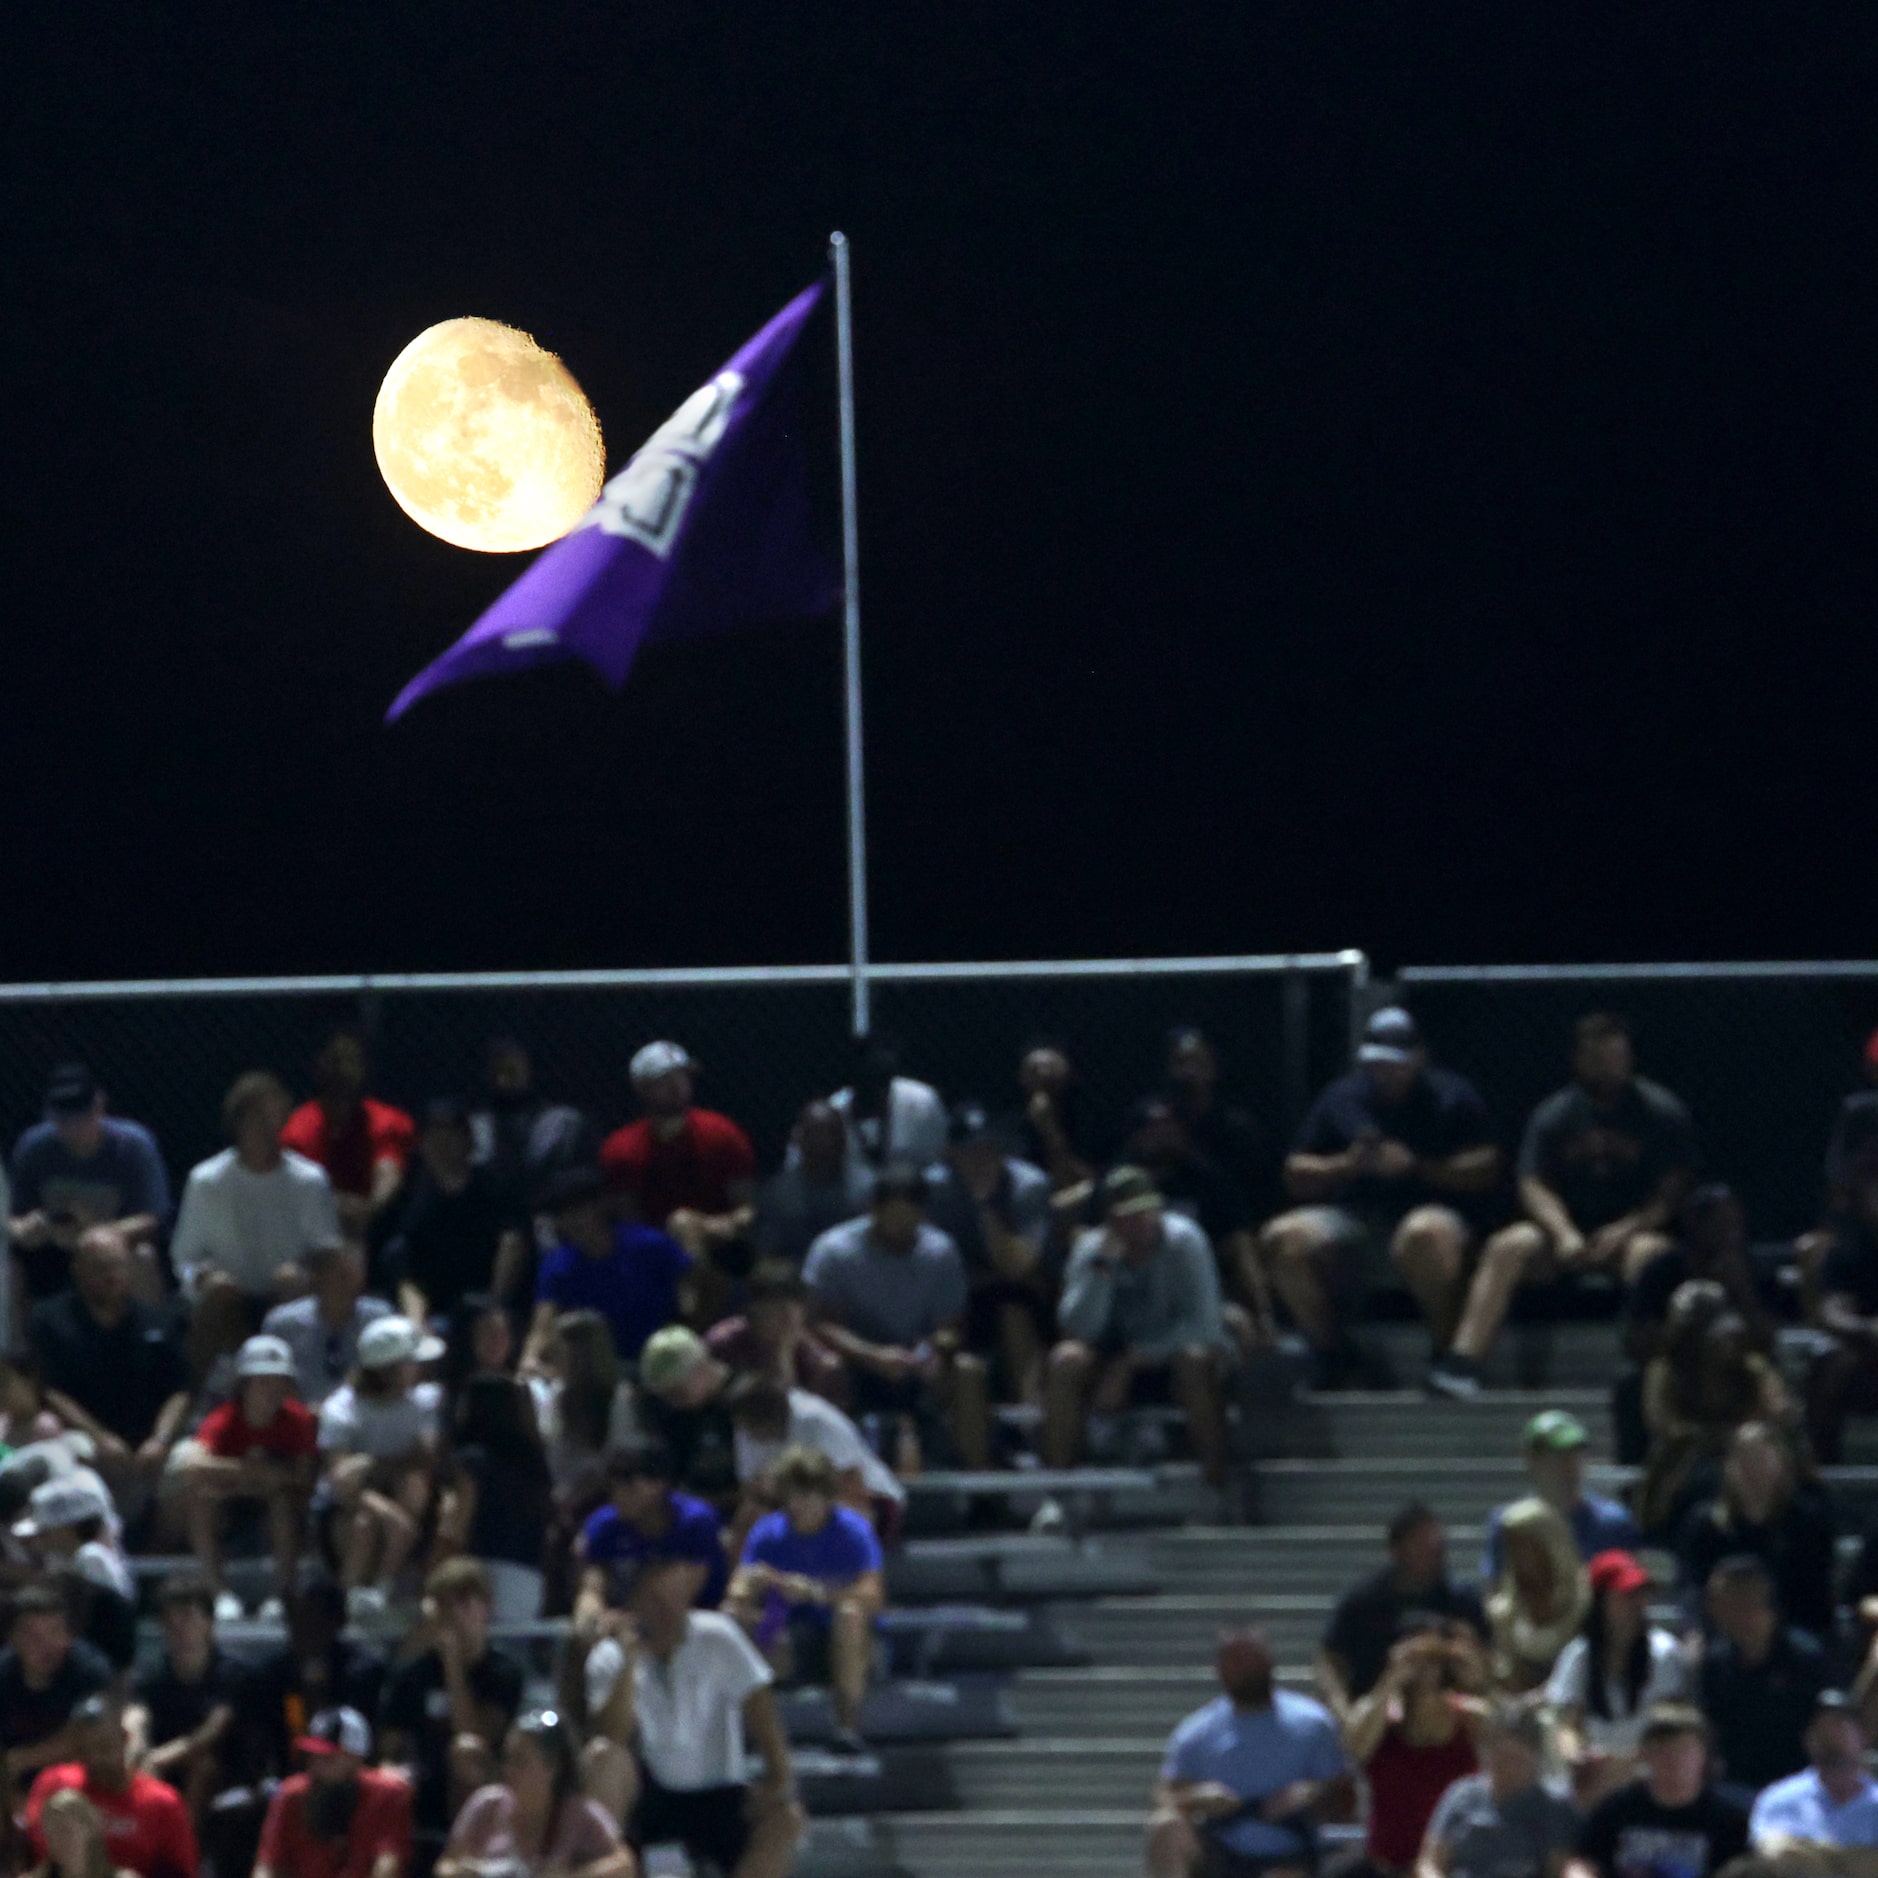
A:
(490, 1363)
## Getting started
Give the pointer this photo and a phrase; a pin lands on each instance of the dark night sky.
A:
(1332, 474)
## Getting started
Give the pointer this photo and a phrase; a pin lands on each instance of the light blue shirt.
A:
(1255, 1752)
(1799, 1807)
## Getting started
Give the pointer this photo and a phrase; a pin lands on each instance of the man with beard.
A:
(146, 1824)
(339, 1819)
(1831, 1803)
(1247, 1778)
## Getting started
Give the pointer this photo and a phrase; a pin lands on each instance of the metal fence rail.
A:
(768, 1037)
(1761, 1051)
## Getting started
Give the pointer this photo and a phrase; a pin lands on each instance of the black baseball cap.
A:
(71, 1089)
(1390, 1036)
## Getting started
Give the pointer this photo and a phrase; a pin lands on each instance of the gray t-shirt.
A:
(895, 1298)
(1512, 1838)
(1167, 1304)
(1022, 1201)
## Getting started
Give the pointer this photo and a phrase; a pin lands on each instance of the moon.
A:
(484, 438)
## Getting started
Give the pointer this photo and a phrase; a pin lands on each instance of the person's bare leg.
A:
(1503, 1266)
(1639, 1249)
(1173, 1849)
(400, 1535)
(1429, 1250)
(609, 1776)
(1194, 1376)
(1021, 1351)
(970, 1409)
(850, 1650)
(776, 1829)
(358, 1547)
(1294, 1250)
(1065, 1396)
(202, 1518)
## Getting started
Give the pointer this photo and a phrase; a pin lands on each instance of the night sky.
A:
(1331, 474)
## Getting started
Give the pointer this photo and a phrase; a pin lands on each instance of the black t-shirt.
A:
(1606, 1162)
(1760, 1714)
(1199, 1188)
(1369, 1618)
(284, 1694)
(1233, 1141)
(1441, 1115)
(1850, 1267)
(1799, 1548)
(1630, 1835)
(446, 1242)
(30, 1715)
(703, 1442)
(418, 1705)
(123, 1375)
(179, 1708)
(514, 1504)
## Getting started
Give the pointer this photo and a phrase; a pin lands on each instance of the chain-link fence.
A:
(767, 1039)
(1762, 1054)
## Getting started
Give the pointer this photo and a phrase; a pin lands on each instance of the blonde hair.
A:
(1523, 1642)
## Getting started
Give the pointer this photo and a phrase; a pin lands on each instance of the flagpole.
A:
(851, 638)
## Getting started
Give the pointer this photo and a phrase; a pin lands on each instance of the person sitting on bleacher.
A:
(643, 1517)
(258, 1448)
(1671, 1823)
(1370, 1616)
(1603, 1166)
(1766, 1508)
(809, 1587)
(1711, 1242)
(146, 1824)
(675, 1697)
(45, 1673)
(1555, 1446)
(1142, 1321)
(1844, 1381)
(70, 1527)
(1390, 1162)
(772, 1337)
(339, 1818)
(1538, 1603)
(819, 1185)
(316, 1667)
(1758, 1679)
(1247, 1779)
(684, 1400)
(889, 1295)
(1502, 1822)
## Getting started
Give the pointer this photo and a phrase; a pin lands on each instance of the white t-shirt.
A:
(815, 1422)
(690, 1707)
(387, 1430)
(249, 1225)
(915, 1126)
(1622, 1730)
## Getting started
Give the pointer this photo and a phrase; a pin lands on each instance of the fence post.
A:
(1294, 1048)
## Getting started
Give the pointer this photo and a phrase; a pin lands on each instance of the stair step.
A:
(1092, 1771)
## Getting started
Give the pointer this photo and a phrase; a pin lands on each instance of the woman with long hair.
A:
(481, 1339)
(535, 1821)
(1767, 1506)
(585, 1405)
(75, 1842)
(1608, 1675)
(496, 1502)
(1539, 1602)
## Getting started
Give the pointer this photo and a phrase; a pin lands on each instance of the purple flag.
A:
(708, 526)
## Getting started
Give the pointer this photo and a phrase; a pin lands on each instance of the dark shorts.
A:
(809, 1637)
(987, 1306)
(708, 1822)
(875, 1395)
(1218, 1861)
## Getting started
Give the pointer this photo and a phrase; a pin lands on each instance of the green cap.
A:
(1557, 1429)
(1128, 1190)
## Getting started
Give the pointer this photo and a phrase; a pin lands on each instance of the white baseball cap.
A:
(337, 1731)
(264, 1356)
(65, 1502)
(388, 1340)
(660, 1059)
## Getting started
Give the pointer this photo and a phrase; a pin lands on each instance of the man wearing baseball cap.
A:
(684, 1402)
(340, 1818)
(262, 1444)
(687, 1170)
(1395, 1158)
(70, 1520)
(1141, 1320)
(1556, 1447)
(146, 1825)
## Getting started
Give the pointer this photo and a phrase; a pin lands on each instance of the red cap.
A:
(1617, 1571)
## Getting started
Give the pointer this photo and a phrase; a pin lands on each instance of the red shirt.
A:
(694, 1168)
(146, 1826)
(377, 1132)
(1404, 1784)
(381, 1824)
(230, 1436)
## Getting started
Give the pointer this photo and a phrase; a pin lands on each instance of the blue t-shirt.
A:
(635, 1287)
(126, 1176)
(607, 1540)
(841, 1551)
(1254, 1752)
(1598, 1525)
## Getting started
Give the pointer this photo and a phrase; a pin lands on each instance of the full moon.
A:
(484, 438)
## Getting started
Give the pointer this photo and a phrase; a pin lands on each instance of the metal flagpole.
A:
(851, 637)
